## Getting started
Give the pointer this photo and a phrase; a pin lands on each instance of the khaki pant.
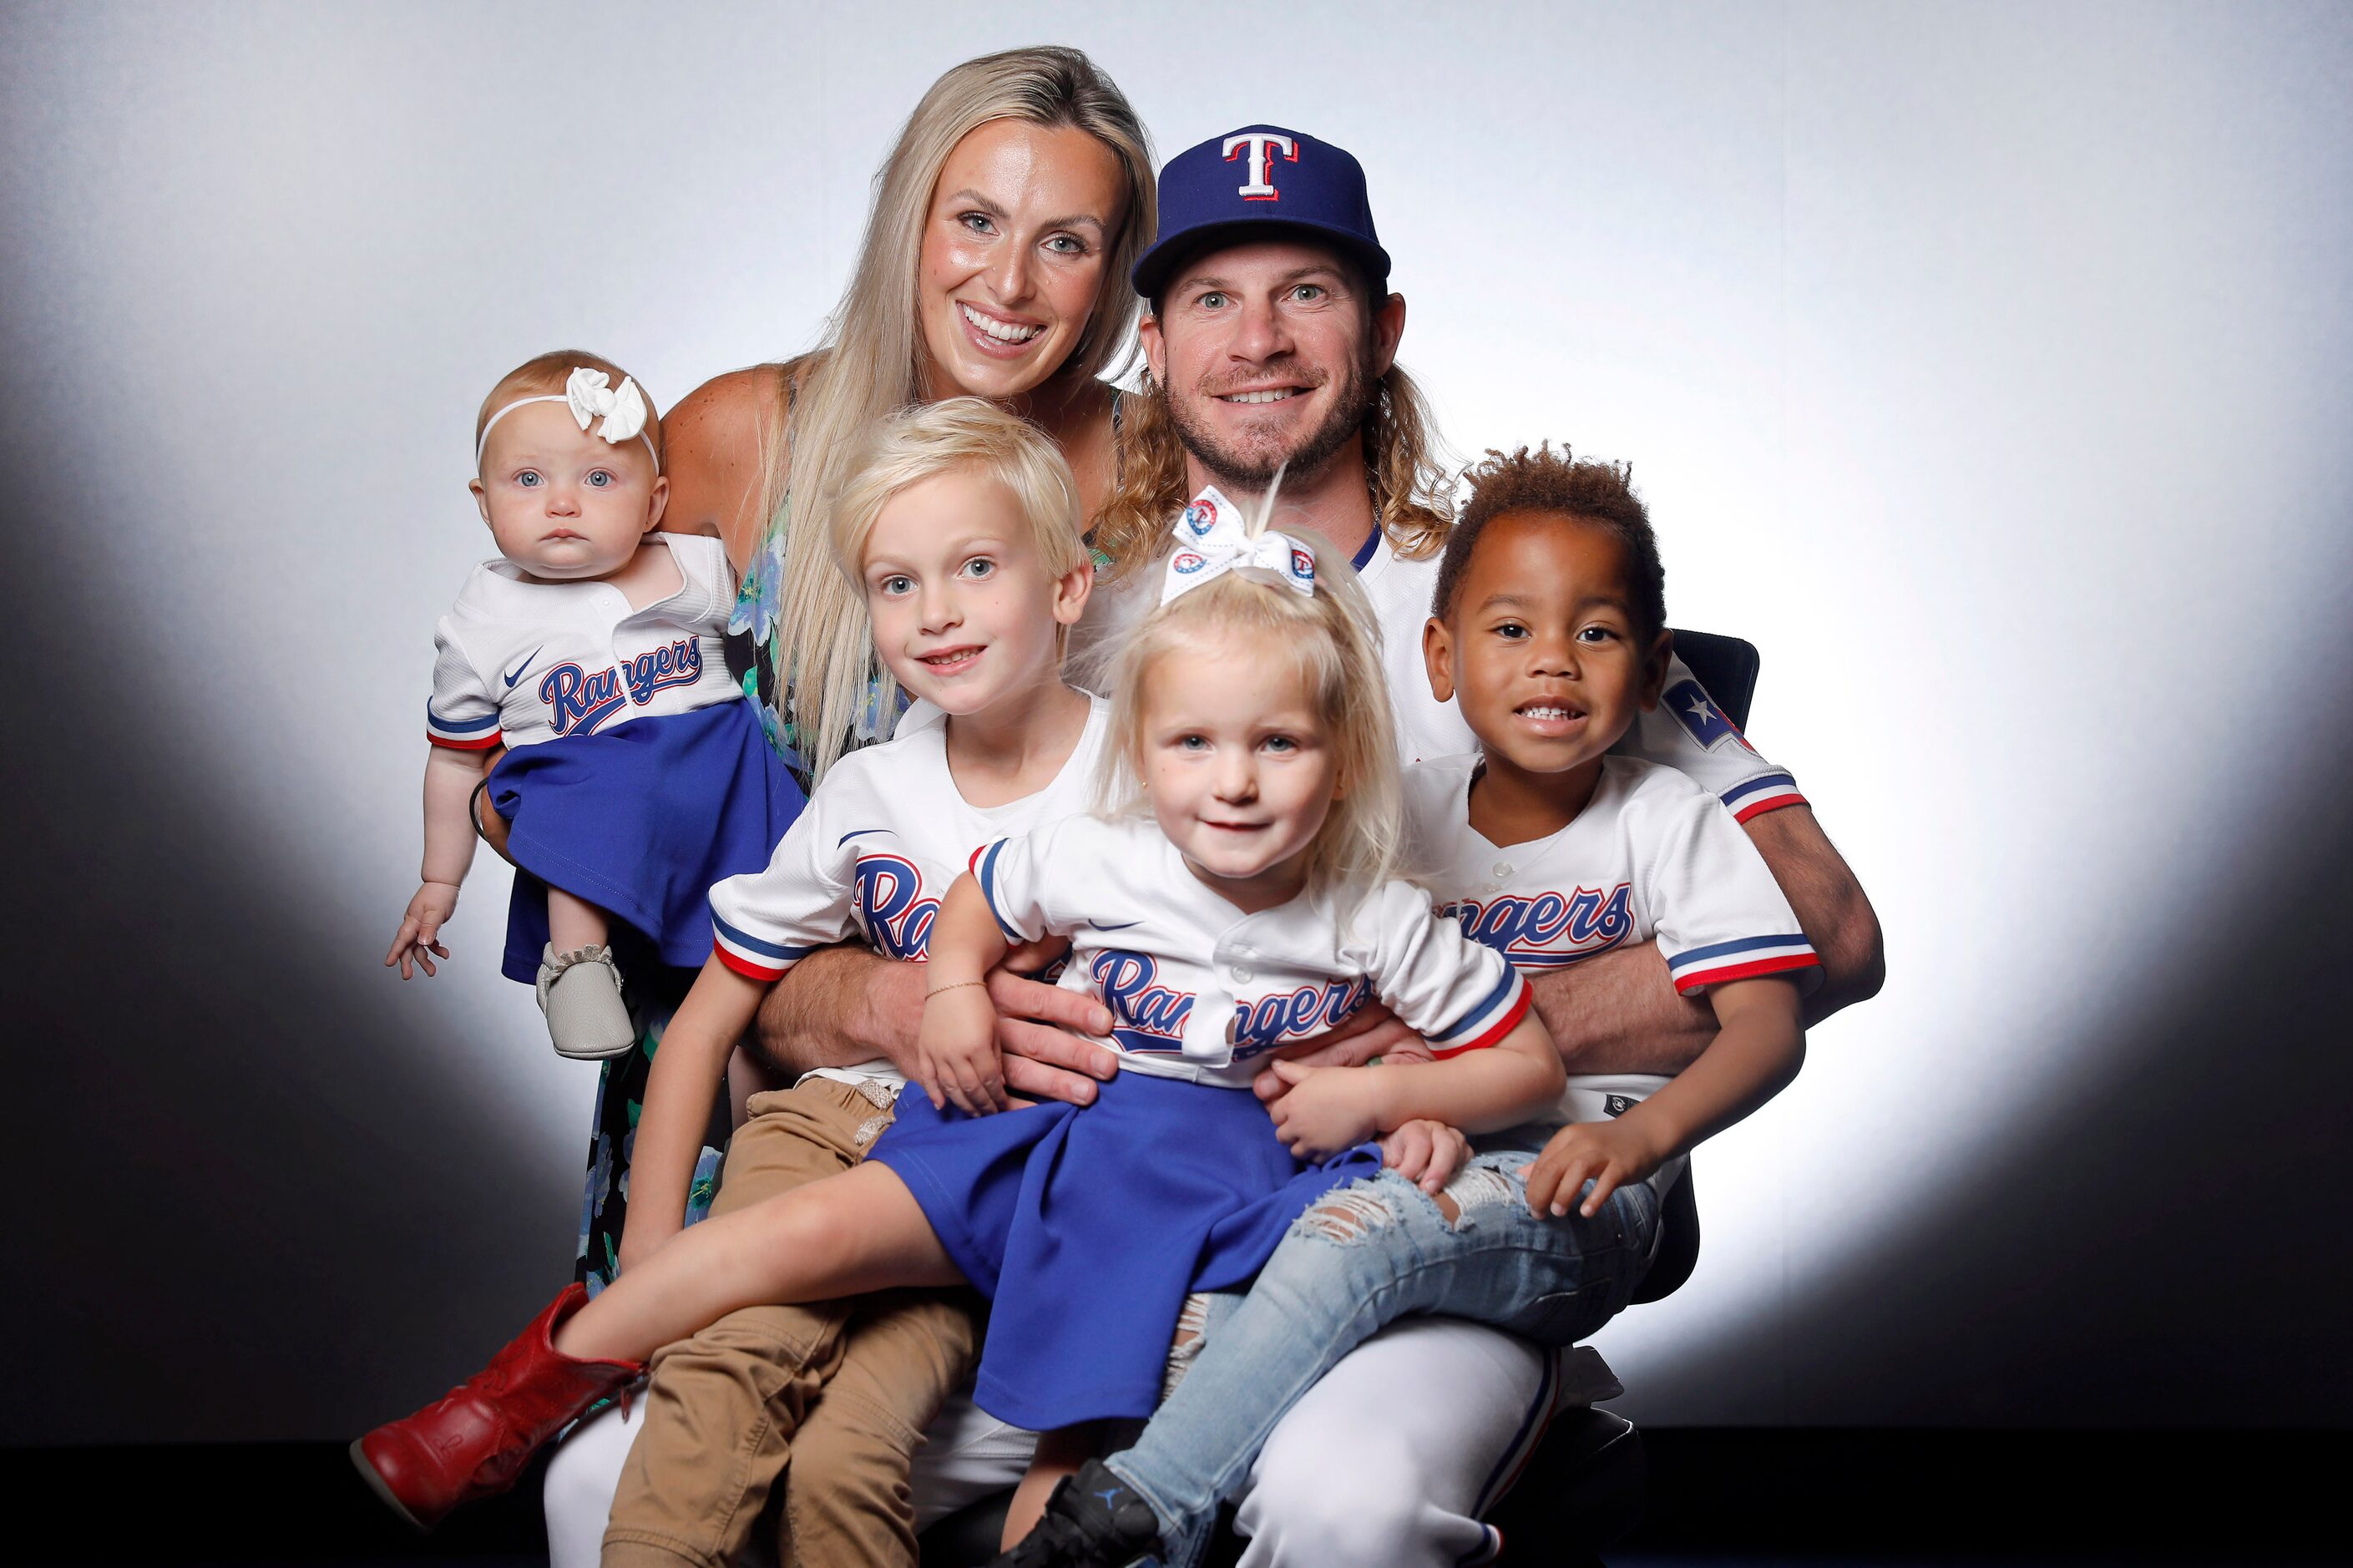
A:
(833, 1396)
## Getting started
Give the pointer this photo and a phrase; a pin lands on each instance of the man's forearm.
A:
(1620, 1012)
(835, 1009)
(1829, 904)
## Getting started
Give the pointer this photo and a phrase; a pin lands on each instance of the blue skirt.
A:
(1086, 1228)
(640, 821)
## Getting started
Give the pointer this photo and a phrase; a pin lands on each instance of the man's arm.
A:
(1619, 1012)
(849, 1005)
(1830, 905)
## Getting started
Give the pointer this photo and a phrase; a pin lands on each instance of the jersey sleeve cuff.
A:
(1497, 1015)
(1719, 964)
(983, 866)
(461, 734)
(1766, 792)
(751, 956)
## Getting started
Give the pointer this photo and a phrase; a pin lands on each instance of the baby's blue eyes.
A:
(980, 566)
(896, 584)
(598, 479)
(1280, 743)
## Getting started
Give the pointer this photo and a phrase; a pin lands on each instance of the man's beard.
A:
(1254, 469)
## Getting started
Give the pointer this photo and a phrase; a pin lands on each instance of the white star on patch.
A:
(1704, 711)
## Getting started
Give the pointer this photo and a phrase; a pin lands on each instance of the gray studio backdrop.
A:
(1986, 365)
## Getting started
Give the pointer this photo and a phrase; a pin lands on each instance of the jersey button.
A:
(1241, 974)
(1503, 869)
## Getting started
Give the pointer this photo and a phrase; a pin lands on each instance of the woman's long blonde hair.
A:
(1337, 641)
(1404, 459)
(873, 360)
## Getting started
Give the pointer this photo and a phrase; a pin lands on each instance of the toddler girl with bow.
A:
(633, 774)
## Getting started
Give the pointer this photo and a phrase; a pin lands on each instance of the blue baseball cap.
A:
(1260, 178)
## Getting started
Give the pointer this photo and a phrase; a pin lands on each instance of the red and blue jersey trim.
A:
(751, 957)
(1766, 792)
(1720, 963)
(1497, 1015)
(983, 871)
(461, 734)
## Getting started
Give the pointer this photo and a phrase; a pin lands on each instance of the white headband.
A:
(623, 411)
(1212, 539)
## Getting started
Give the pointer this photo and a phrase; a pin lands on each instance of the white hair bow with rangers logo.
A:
(1213, 539)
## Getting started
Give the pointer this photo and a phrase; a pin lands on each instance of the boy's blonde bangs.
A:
(1336, 641)
(970, 433)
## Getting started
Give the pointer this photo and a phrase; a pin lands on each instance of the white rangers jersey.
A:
(873, 853)
(1198, 989)
(522, 662)
(1651, 856)
(1686, 731)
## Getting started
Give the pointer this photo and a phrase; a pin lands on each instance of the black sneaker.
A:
(1094, 1520)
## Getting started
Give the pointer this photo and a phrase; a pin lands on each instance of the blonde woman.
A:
(1006, 219)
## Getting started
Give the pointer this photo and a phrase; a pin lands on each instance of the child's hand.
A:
(1372, 1030)
(956, 1051)
(1608, 1153)
(414, 947)
(1426, 1153)
(1324, 1110)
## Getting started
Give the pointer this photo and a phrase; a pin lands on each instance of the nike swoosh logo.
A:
(523, 666)
(1114, 925)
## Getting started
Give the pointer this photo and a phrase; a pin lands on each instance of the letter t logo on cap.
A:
(1260, 189)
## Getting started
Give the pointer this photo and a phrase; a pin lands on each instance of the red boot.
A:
(475, 1439)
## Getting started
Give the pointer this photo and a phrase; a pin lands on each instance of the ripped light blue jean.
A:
(1366, 1255)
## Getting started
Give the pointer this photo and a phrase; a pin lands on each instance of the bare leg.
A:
(573, 922)
(844, 1235)
(1059, 1454)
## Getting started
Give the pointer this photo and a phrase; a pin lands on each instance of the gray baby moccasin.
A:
(580, 992)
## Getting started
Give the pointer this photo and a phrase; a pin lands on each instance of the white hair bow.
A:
(623, 410)
(1213, 539)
